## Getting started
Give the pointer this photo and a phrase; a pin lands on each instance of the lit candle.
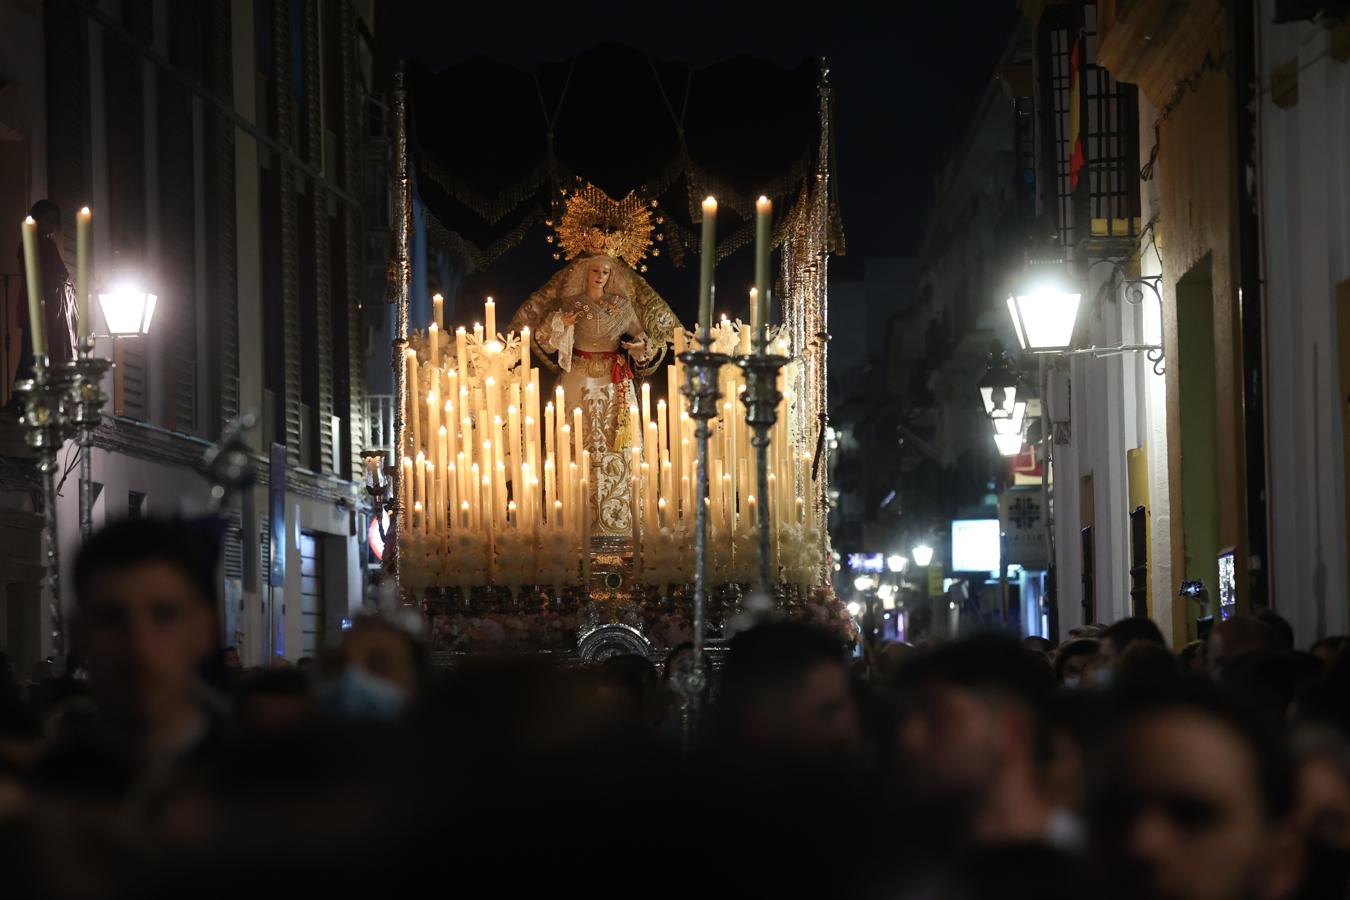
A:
(490, 387)
(662, 432)
(551, 485)
(405, 489)
(560, 405)
(478, 332)
(653, 469)
(513, 434)
(646, 405)
(475, 491)
(37, 323)
(433, 422)
(634, 432)
(438, 311)
(585, 531)
(661, 512)
(801, 511)
(465, 514)
(462, 354)
(435, 499)
(550, 436)
(525, 356)
(434, 344)
(419, 517)
(522, 490)
(637, 530)
(411, 395)
(763, 287)
(420, 482)
(83, 223)
(564, 461)
(443, 470)
(707, 261)
(755, 323)
(754, 516)
(577, 434)
(490, 315)
(511, 519)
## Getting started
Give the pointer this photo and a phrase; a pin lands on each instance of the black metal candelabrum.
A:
(761, 399)
(46, 422)
(83, 379)
(702, 370)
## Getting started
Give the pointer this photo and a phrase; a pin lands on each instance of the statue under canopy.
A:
(598, 323)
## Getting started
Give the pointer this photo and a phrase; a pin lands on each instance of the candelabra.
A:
(702, 389)
(761, 399)
(83, 382)
(46, 424)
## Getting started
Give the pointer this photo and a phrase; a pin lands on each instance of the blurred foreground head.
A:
(1197, 800)
(786, 693)
(145, 615)
(974, 734)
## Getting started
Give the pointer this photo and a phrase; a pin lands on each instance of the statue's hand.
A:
(569, 318)
(638, 348)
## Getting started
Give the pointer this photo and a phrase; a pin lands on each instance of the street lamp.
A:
(1044, 316)
(128, 311)
(998, 387)
(923, 556)
(1009, 444)
(864, 583)
(896, 563)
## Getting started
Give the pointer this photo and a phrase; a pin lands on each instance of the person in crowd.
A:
(1234, 637)
(1323, 786)
(229, 658)
(1329, 649)
(1280, 629)
(1072, 658)
(1118, 638)
(1192, 658)
(272, 702)
(786, 696)
(1145, 663)
(974, 733)
(382, 665)
(1197, 800)
(145, 619)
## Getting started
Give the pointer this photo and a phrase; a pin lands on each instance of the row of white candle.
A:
(663, 464)
(478, 452)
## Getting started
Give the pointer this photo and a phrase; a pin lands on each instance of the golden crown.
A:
(592, 222)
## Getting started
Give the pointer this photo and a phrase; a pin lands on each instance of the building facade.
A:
(225, 149)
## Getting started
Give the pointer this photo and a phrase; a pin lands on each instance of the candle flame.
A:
(29, 220)
(84, 211)
(437, 298)
(763, 202)
(421, 457)
(710, 204)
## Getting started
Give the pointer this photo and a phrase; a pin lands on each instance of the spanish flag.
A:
(1075, 113)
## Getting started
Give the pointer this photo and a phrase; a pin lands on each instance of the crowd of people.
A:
(985, 766)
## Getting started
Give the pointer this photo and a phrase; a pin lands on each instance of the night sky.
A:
(906, 77)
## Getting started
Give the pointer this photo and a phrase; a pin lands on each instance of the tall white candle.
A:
(434, 344)
(462, 354)
(438, 310)
(37, 322)
(490, 316)
(83, 225)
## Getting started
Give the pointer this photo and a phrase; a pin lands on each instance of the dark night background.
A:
(905, 76)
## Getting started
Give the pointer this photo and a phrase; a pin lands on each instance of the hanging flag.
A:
(1075, 108)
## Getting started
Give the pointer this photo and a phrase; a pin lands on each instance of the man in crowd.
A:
(145, 621)
(1198, 801)
(975, 734)
(786, 696)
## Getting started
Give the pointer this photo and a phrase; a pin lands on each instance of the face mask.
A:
(360, 695)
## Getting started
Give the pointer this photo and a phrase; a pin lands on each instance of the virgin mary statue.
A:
(598, 324)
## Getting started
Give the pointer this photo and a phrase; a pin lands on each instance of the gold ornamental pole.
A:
(400, 297)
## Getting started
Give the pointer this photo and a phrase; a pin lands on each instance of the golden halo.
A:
(592, 223)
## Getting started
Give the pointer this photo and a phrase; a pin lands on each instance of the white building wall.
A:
(1305, 197)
